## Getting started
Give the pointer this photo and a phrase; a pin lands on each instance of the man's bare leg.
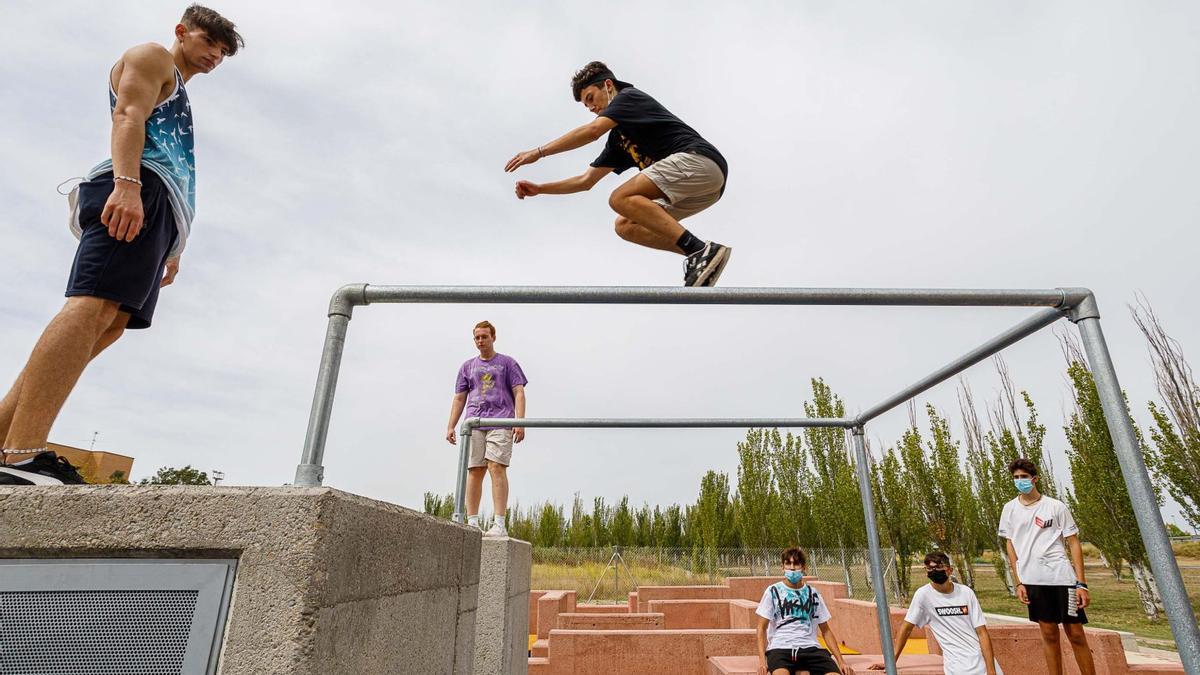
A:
(499, 474)
(1050, 649)
(58, 359)
(634, 200)
(1079, 645)
(8, 407)
(644, 236)
(475, 476)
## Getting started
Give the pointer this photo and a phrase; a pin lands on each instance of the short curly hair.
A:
(1023, 464)
(585, 75)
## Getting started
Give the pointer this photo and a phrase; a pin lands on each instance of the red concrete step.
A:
(910, 664)
(539, 666)
(541, 648)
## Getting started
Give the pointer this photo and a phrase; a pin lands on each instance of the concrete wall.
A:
(501, 640)
(327, 582)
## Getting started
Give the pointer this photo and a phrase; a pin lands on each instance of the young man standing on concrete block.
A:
(681, 173)
(489, 385)
(1051, 584)
(788, 616)
(953, 613)
(132, 217)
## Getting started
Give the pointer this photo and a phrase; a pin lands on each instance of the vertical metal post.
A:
(1141, 494)
(464, 452)
(310, 472)
(881, 600)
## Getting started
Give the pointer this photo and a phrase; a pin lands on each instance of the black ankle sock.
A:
(689, 243)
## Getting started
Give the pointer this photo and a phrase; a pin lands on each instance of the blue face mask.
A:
(794, 577)
(1024, 485)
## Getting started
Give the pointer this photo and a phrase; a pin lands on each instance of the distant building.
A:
(95, 467)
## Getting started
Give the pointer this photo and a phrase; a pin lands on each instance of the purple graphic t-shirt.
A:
(489, 385)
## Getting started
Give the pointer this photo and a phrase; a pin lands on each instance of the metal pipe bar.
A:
(1006, 339)
(882, 611)
(460, 492)
(653, 295)
(657, 422)
(1141, 494)
(311, 472)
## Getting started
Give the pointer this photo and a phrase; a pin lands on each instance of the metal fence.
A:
(1076, 304)
(609, 575)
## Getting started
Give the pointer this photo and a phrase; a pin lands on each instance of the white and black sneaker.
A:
(704, 267)
(46, 468)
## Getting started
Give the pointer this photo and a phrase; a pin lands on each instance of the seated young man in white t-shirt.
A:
(952, 613)
(788, 616)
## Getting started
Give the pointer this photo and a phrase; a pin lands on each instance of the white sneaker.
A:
(474, 522)
(497, 530)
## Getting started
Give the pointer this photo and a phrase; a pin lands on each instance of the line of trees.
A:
(938, 486)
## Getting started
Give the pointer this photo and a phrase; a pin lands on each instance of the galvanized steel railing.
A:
(1075, 304)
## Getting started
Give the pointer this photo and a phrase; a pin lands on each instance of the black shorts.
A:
(1052, 604)
(125, 272)
(815, 660)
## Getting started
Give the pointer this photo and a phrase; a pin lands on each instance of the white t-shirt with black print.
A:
(794, 614)
(953, 618)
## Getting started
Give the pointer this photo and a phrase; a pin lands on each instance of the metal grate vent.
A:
(114, 632)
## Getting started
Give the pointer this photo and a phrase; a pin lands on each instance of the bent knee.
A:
(624, 227)
(616, 199)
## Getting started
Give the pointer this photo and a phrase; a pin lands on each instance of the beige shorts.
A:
(491, 445)
(691, 183)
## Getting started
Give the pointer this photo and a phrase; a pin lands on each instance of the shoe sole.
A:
(715, 268)
(34, 478)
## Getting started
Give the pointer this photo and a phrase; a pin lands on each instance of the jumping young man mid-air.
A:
(681, 174)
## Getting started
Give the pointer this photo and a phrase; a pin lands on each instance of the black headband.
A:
(599, 78)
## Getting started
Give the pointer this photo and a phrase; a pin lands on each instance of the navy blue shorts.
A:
(125, 272)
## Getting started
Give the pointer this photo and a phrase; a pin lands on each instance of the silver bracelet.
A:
(31, 451)
(128, 179)
(541, 154)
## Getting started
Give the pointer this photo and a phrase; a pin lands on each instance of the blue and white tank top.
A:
(169, 153)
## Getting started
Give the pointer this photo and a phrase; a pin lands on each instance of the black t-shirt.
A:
(647, 132)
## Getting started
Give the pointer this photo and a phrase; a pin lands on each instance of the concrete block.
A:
(647, 593)
(693, 614)
(591, 621)
(1018, 649)
(326, 582)
(648, 652)
(501, 638)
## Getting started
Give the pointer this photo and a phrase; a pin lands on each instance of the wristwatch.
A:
(1080, 584)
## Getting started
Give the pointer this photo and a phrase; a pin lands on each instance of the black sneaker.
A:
(704, 267)
(46, 468)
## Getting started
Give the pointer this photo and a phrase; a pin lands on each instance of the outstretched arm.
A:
(144, 70)
(575, 138)
(581, 183)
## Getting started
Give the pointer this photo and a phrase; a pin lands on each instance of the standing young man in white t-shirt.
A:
(952, 612)
(788, 616)
(1051, 584)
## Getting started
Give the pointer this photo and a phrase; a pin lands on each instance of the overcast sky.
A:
(935, 144)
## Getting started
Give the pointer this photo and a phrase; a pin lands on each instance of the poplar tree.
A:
(756, 495)
(837, 502)
(1176, 431)
(1100, 501)
(899, 516)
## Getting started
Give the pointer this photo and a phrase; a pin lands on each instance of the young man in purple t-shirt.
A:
(489, 385)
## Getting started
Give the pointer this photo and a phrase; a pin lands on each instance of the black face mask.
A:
(938, 576)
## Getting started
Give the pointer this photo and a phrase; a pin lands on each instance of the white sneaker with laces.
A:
(497, 530)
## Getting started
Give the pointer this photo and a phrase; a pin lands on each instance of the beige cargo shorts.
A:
(690, 181)
(490, 445)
